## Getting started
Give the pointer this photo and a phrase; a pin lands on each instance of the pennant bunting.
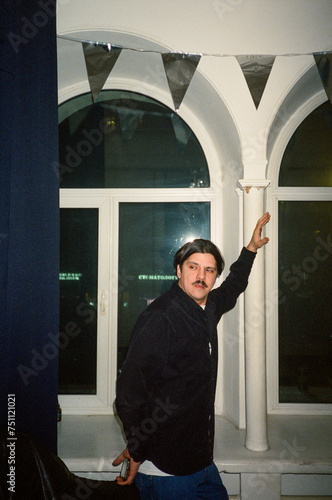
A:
(99, 61)
(129, 120)
(324, 63)
(179, 69)
(182, 132)
(256, 70)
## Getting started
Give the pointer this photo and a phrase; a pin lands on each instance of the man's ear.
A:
(178, 271)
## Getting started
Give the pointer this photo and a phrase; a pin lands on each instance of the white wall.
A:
(225, 26)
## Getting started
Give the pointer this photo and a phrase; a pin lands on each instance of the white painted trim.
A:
(242, 375)
(257, 183)
(274, 195)
(114, 284)
(286, 133)
(116, 196)
(108, 200)
(101, 401)
(301, 193)
(163, 97)
(272, 352)
(254, 326)
(301, 409)
(296, 194)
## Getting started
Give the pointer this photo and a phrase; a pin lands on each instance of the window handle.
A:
(103, 303)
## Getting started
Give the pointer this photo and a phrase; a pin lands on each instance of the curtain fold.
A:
(29, 217)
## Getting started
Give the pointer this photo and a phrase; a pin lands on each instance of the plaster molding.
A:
(247, 184)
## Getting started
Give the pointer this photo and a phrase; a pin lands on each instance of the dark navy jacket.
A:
(166, 389)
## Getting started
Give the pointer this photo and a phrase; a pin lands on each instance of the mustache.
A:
(200, 282)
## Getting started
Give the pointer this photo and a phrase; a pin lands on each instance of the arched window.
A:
(127, 140)
(305, 262)
(307, 161)
(134, 188)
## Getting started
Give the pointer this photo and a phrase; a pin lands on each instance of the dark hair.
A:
(199, 246)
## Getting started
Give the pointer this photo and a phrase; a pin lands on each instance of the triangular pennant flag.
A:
(256, 70)
(323, 62)
(129, 120)
(179, 69)
(182, 132)
(99, 61)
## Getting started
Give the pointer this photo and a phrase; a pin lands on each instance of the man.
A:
(166, 389)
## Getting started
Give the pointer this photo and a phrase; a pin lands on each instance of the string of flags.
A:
(180, 67)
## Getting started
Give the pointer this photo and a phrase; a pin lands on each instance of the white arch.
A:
(302, 98)
(286, 133)
(203, 108)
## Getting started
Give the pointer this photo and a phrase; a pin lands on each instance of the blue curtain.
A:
(29, 217)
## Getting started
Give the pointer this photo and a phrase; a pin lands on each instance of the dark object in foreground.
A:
(38, 474)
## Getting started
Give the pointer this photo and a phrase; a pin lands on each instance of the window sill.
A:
(298, 444)
(298, 461)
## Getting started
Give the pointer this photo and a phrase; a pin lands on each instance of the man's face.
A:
(197, 276)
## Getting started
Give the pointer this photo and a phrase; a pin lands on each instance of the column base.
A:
(257, 445)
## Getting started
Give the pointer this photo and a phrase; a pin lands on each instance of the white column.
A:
(254, 323)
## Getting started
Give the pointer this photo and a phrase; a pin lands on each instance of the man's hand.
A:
(257, 241)
(132, 471)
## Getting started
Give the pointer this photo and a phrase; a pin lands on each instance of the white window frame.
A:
(273, 196)
(107, 201)
(98, 403)
(285, 194)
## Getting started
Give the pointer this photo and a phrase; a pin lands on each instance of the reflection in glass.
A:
(308, 157)
(305, 312)
(78, 299)
(127, 140)
(150, 234)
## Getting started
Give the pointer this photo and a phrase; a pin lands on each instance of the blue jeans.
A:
(205, 484)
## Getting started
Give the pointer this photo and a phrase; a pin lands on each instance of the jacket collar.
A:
(183, 301)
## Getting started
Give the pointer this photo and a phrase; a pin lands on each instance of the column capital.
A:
(247, 184)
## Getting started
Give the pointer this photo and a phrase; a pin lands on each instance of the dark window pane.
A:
(78, 299)
(127, 140)
(307, 159)
(305, 312)
(150, 235)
